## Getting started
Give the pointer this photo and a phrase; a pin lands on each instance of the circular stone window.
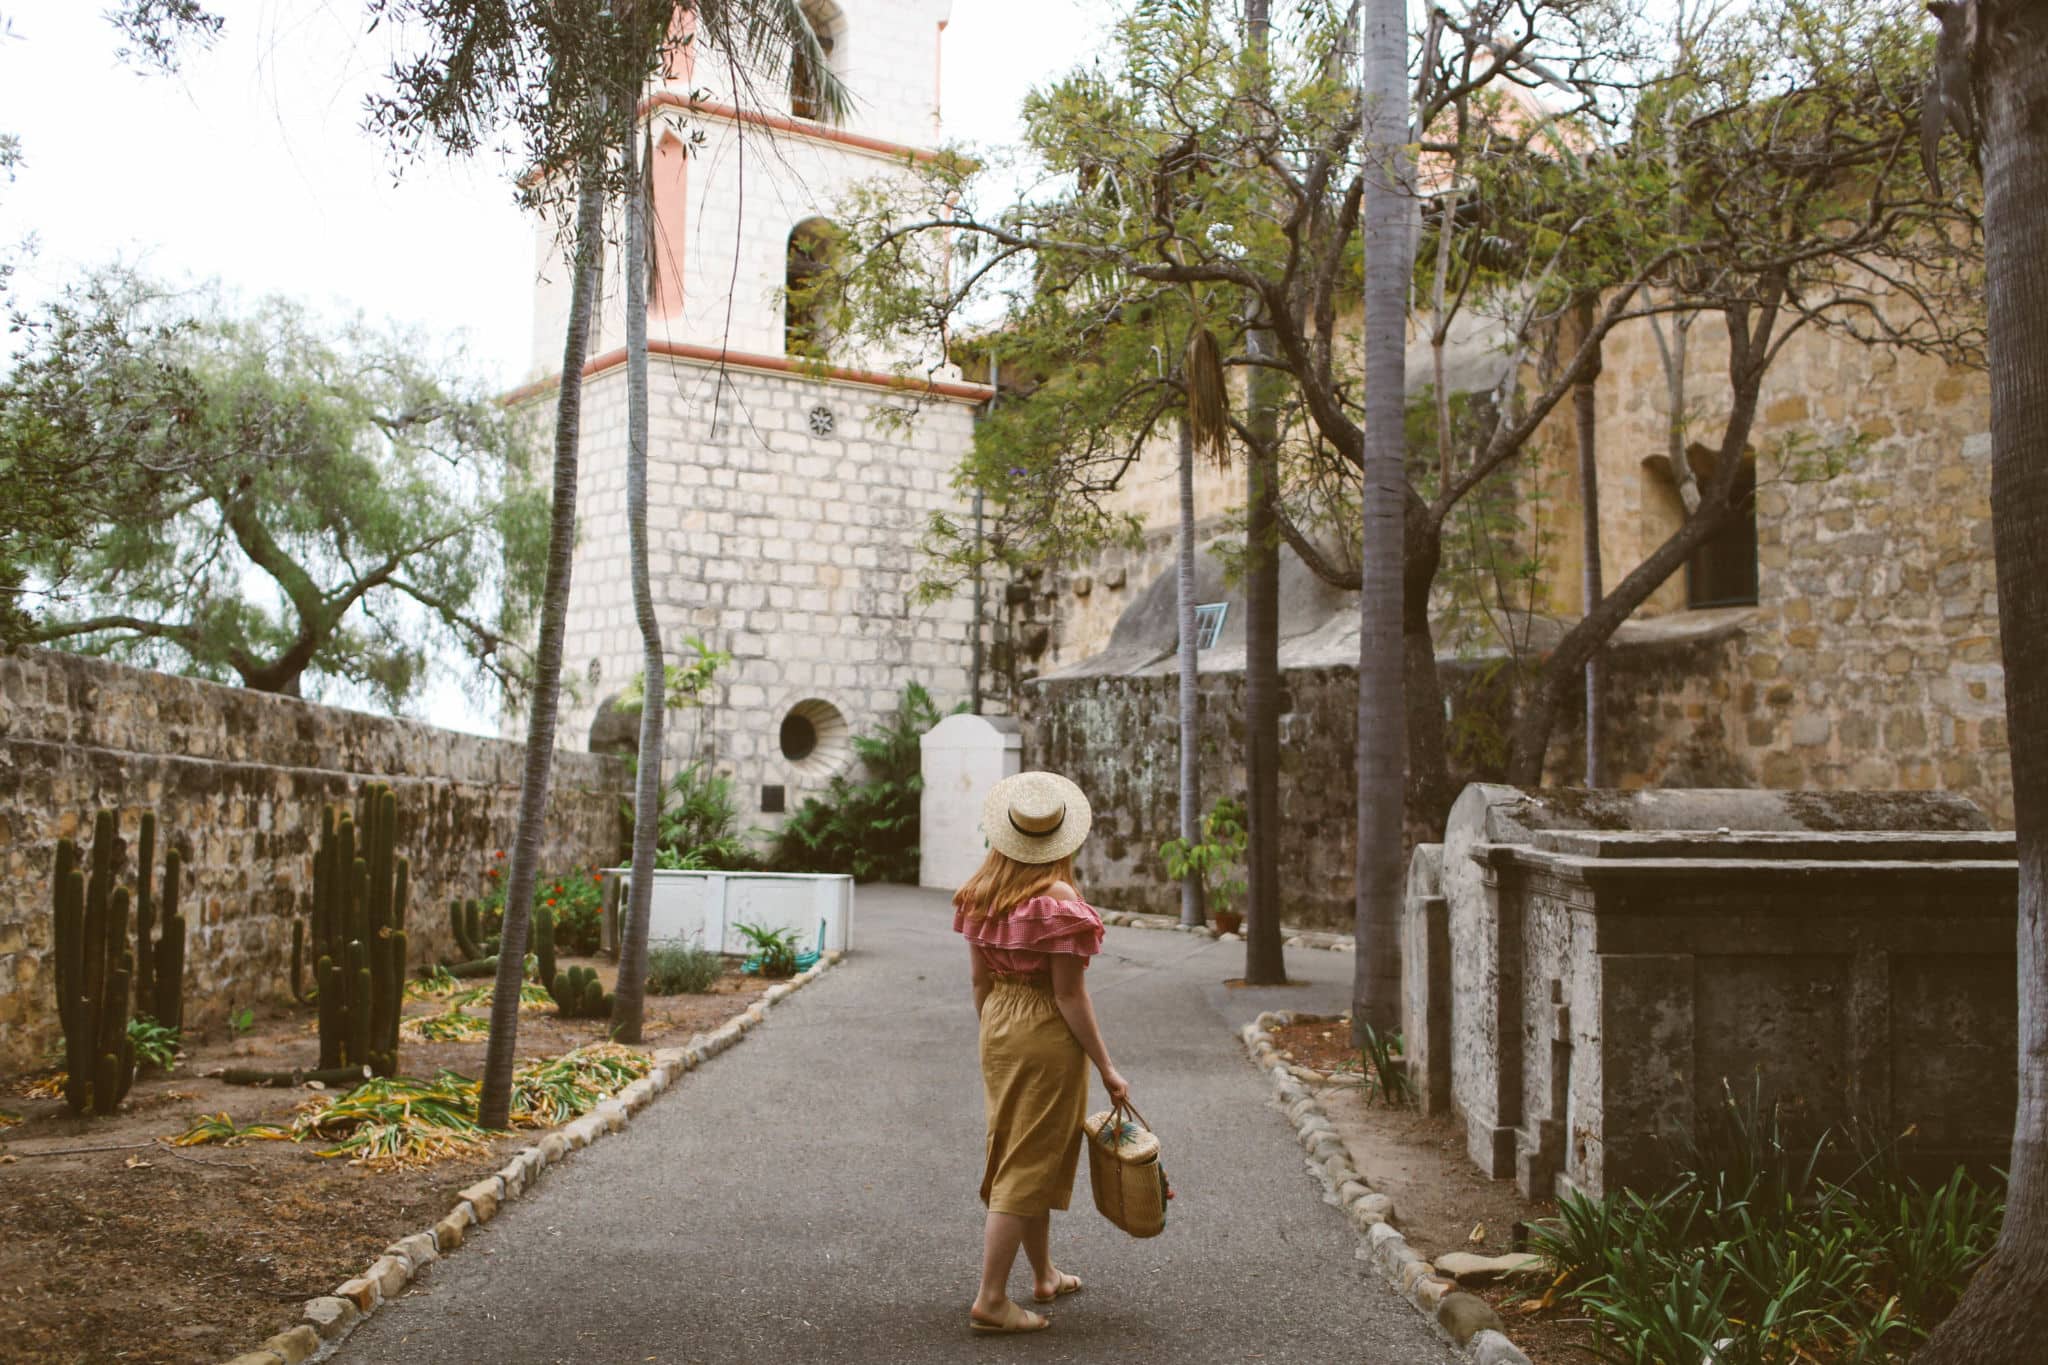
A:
(814, 737)
(799, 737)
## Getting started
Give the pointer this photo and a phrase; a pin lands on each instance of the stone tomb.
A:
(1585, 973)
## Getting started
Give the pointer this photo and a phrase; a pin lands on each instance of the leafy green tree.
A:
(259, 499)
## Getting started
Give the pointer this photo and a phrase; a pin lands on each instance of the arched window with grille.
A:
(813, 243)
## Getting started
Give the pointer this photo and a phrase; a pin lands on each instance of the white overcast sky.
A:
(251, 165)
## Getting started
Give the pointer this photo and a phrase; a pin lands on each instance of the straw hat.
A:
(1035, 817)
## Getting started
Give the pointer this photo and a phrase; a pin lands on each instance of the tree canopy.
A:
(252, 497)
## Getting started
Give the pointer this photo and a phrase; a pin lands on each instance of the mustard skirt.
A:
(1035, 1082)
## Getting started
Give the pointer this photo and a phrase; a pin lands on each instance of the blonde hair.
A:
(1001, 884)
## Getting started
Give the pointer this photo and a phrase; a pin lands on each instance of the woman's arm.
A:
(1070, 993)
(984, 979)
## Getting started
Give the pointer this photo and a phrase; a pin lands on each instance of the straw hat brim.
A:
(1005, 838)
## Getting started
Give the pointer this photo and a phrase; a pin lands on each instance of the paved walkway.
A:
(809, 1195)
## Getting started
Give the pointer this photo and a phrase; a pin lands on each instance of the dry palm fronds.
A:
(532, 996)
(219, 1128)
(557, 1089)
(432, 986)
(1208, 396)
(398, 1121)
(451, 1027)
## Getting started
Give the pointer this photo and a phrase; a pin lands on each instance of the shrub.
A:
(1755, 1255)
(1215, 858)
(575, 898)
(774, 949)
(699, 816)
(682, 969)
(867, 828)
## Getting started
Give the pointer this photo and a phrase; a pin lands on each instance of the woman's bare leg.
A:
(1045, 1278)
(999, 1242)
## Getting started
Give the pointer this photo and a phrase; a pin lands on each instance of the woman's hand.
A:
(1119, 1089)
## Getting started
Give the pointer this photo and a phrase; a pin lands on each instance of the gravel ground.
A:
(809, 1196)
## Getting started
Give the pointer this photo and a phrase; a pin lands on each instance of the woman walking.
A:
(1029, 936)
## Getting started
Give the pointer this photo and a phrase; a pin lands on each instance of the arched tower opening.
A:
(829, 23)
(813, 247)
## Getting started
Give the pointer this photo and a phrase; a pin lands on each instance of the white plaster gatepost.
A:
(964, 756)
(703, 907)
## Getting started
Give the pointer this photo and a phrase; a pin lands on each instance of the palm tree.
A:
(1991, 82)
(765, 36)
(630, 993)
(495, 1104)
(1376, 984)
(1191, 909)
(1265, 964)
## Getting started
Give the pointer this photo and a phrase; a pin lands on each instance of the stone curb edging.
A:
(1296, 938)
(328, 1320)
(1467, 1320)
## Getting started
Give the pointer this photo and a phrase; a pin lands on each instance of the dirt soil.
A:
(1442, 1202)
(119, 1247)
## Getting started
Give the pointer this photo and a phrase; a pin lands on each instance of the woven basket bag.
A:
(1123, 1167)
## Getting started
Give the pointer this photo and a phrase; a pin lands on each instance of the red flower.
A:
(551, 900)
(491, 872)
(499, 854)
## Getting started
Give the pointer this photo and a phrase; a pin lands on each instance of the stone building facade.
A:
(1864, 655)
(238, 780)
(790, 478)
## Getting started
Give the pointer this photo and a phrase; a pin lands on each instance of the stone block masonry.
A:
(238, 779)
(786, 514)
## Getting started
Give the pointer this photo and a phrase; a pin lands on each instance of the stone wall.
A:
(1119, 737)
(793, 550)
(237, 780)
(1672, 717)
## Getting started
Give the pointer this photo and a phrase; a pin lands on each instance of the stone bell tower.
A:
(785, 508)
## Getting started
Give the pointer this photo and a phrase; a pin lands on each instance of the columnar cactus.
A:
(544, 944)
(580, 995)
(360, 890)
(95, 972)
(159, 941)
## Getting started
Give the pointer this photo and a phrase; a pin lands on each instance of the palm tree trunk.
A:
(1382, 715)
(1589, 513)
(2003, 1316)
(1265, 963)
(1191, 907)
(629, 994)
(494, 1105)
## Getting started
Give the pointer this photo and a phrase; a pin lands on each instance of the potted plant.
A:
(1215, 860)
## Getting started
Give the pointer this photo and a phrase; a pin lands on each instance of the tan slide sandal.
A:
(1069, 1284)
(1016, 1318)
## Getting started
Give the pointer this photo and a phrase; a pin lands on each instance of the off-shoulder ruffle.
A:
(1039, 925)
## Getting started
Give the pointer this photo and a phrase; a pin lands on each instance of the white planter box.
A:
(703, 907)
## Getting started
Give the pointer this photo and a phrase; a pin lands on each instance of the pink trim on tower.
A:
(783, 123)
(671, 177)
(772, 364)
